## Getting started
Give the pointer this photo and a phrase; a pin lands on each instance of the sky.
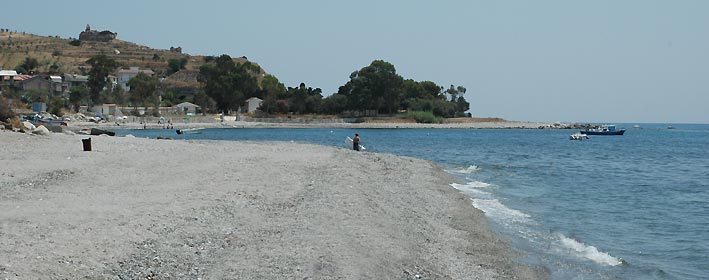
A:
(631, 61)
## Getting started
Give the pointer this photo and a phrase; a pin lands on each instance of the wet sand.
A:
(138, 208)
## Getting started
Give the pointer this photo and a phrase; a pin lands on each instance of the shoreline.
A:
(365, 125)
(136, 207)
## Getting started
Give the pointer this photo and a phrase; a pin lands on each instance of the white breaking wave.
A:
(470, 169)
(589, 252)
(474, 189)
(470, 185)
(497, 211)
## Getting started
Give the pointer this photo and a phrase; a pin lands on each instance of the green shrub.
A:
(424, 117)
(5, 109)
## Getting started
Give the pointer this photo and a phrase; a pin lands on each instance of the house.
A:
(52, 85)
(107, 110)
(124, 76)
(94, 35)
(7, 76)
(252, 104)
(75, 80)
(187, 108)
(36, 83)
(56, 84)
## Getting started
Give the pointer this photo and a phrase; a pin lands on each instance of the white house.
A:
(252, 104)
(124, 75)
(7, 75)
(187, 108)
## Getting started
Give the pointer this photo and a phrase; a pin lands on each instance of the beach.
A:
(210, 122)
(135, 208)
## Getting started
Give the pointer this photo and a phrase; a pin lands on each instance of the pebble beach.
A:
(135, 208)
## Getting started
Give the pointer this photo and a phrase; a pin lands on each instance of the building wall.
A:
(253, 104)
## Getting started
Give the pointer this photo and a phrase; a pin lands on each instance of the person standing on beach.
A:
(355, 142)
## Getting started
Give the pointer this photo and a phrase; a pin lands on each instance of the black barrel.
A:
(87, 144)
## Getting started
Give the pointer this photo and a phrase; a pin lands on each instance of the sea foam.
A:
(588, 251)
(497, 211)
(470, 185)
(470, 169)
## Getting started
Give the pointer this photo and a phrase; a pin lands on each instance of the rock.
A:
(28, 126)
(41, 130)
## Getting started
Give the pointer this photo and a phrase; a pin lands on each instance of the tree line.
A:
(372, 90)
(376, 89)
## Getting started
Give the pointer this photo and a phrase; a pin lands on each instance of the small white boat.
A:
(189, 131)
(578, 136)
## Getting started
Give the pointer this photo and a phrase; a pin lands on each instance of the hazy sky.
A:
(565, 60)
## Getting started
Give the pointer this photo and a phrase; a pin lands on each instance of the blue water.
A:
(611, 207)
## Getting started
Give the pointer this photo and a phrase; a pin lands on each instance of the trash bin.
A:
(87, 144)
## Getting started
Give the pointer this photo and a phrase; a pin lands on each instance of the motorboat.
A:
(603, 130)
(578, 136)
(189, 131)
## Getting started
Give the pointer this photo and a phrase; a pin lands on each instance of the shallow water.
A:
(611, 207)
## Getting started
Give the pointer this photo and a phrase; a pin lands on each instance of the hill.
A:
(70, 58)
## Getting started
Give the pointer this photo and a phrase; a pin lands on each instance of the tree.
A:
(461, 90)
(453, 92)
(334, 104)
(54, 68)
(177, 64)
(271, 90)
(375, 87)
(207, 103)
(27, 65)
(143, 90)
(5, 109)
(461, 105)
(305, 100)
(78, 95)
(228, 83)
(101, 66)
(55, 105)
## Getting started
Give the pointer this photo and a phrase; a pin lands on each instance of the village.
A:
(47, 92)
(48, 81)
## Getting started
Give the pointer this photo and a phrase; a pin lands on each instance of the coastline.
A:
(140, 208)
(295, 124)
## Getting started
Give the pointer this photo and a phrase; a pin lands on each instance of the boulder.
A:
(28, 126)
(41, 130)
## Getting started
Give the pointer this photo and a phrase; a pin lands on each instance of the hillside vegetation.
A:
(68, 58)
(218, 83)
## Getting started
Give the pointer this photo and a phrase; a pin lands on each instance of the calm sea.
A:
(611, 207)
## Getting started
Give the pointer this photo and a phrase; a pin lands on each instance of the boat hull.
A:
(189, 131)
(98, 131)
(591, 132)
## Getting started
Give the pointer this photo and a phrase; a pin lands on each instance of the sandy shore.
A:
(163, 209)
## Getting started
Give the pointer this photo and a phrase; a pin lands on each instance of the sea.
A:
(610, 207)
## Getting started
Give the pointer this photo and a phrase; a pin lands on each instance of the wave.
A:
(470, 169)
(497, 211)
(474, 189)
(588, 252)
(470, 185)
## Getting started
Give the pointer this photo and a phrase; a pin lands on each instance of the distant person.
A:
(355, 142)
